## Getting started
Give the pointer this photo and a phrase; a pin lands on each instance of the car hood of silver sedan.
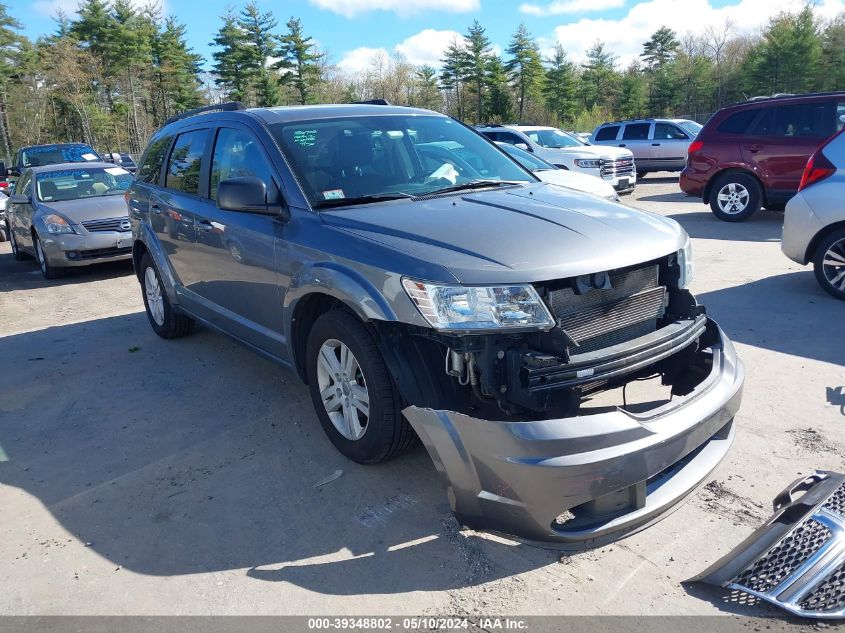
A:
(527, 233)
(85, 209)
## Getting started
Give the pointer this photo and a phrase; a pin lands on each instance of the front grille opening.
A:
(636, 396)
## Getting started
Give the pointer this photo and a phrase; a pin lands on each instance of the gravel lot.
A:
(139, 476)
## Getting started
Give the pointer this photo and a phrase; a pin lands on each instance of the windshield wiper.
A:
(475, 184)
(348, 202)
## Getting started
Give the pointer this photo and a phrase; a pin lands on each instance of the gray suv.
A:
(657, 144)
(497, 318)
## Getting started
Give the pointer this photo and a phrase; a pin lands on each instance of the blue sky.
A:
(352, 31)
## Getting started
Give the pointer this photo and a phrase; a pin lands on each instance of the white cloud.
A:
(351, 8)
(570, 6)
(425, 47)
(625, 36)
(51, 8)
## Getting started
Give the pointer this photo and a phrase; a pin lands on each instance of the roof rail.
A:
(788, 95)
(374, 102)
(228, 106)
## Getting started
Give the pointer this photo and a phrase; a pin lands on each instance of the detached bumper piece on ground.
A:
(797, 559)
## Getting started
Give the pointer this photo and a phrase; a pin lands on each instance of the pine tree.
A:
(10, 49)
(478, 54)
(177, 71)
(632, 93)
(832, 59)
(231, 63)
(660, 49)
(92, 26)
(561, 85)
(499, 102)
(453, 72)
(599, 77)
(301, 62)
(427, 92)
(259, 46)
(524, 67)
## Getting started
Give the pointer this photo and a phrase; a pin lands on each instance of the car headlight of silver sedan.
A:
(453, 307)
(685, 264)
(57, 225)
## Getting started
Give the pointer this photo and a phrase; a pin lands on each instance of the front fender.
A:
(144, 236)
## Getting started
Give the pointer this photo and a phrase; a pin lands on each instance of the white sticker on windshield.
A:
(116, 171)
(333, 194)
(89, 156)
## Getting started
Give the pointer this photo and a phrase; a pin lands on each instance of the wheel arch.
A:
(818, 237)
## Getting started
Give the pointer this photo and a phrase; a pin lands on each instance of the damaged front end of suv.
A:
(523, 395)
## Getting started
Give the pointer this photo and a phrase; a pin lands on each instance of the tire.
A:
(165, 321)
(641, 175)
(831, 275)
(49, 271)
(17, 253)
(383, 432)
(735, 197)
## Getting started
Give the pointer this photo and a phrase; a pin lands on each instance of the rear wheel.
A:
(164, 320)
(829, 264)
(355, 399)
(48, 270)
(18, 254)
(735, 197)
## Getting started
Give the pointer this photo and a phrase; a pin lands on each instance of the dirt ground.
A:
(139, 476)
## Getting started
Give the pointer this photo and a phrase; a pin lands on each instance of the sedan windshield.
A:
(378, 158)
(54, 154)
(553, 139)
(691, 126)
(75, 184)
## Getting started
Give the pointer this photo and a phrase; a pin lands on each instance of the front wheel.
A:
(355, 399)
(48, 270)
(829, 264)
(736, 197)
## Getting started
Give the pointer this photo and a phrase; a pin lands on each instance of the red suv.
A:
(753, 154)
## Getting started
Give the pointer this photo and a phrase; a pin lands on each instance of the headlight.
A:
(685, 264)
(588, 163)
(479, 308)
(57, 224)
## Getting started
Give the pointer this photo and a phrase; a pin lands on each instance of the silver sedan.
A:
(814, 222)
(70, 215)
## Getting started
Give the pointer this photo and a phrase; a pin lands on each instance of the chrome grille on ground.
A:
(599, 318)
(619, 167)
(108, 224)
(836, 502)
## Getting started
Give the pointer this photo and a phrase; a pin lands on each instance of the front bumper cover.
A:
(89, 248)
(616, 471)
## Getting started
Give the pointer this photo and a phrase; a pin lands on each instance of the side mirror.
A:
(20, 199)
(249, 194)
(13, 171)
(523, 146)
(4, 173)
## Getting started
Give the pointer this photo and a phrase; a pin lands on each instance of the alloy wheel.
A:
(833, 265)
(343, 389)
(155, 300)
(42, 261)
(733, 198)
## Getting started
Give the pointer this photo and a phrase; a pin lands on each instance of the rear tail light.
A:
(818, 168)
(695, 146)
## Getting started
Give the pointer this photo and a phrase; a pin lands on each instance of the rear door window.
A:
(608, 133)
(799, 120)
(183, 167)
(150, 168)
(636, 132)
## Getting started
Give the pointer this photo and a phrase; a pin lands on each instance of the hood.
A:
(529, 233)
(592, 151)
(577, 180)
(97, 208)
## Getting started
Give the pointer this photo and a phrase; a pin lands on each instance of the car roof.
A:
(66, 166)
(783, 98)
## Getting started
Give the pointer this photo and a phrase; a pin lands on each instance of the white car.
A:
(547, 172)
(613, 164)
(814, 221)
(3, 234)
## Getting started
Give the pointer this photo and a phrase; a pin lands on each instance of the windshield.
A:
(388, 156)
(553, 139)
(55, 154)
(524, 158)
(75, 184)
(691, 126)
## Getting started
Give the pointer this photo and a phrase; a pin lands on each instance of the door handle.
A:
(155, 209)
(655, 144)
(753, 148)
(205, 225)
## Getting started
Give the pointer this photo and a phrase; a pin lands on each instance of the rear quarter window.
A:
(151, 163)
(738, 122)
(607, 133)
(183, 166)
